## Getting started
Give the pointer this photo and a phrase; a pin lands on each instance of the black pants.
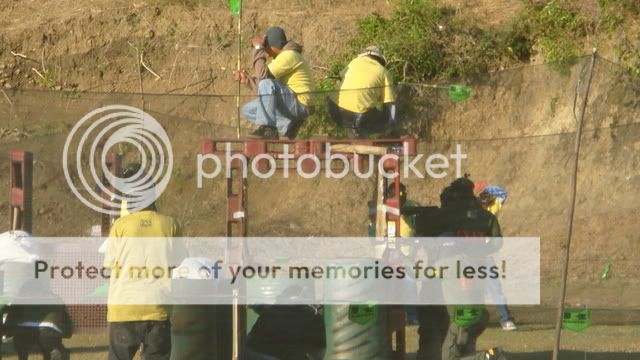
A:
(126, 337)
(433, 325)
(47, 341)
(357, 125)
(460, 342)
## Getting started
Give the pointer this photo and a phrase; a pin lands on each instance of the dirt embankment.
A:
(516, 130)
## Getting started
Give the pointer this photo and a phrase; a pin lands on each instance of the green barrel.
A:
(354, 331)
(199, 332)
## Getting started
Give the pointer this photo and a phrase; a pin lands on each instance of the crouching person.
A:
(366, 103)
(40, 327)
(284, 86)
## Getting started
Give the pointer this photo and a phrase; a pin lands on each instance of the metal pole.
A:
(574, 178)
(235, 310)
(238, 67)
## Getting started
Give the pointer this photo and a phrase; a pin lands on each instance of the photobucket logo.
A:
(101, 131)
(265, 165)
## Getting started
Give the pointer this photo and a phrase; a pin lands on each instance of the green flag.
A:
(234, 6)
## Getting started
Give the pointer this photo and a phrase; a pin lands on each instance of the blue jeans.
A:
(276, 106)
(494, 288)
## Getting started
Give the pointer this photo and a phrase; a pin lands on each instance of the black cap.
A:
(276, 37)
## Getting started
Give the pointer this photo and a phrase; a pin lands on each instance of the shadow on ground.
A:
(576, 355)
(565, 355)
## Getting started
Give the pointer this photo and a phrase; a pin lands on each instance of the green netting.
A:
(517, 129)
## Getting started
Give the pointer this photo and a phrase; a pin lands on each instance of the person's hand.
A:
(258, 42)
(241, 76)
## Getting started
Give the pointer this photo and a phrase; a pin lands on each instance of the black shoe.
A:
(264, 132)
(293, 129)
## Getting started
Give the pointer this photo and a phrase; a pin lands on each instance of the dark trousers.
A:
(126, 337)
(460, 343)
(433, 323)
(357, 125)
(47, 341)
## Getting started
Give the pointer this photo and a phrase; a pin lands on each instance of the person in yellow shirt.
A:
(366, 101)
(142, 249)
(284, 86)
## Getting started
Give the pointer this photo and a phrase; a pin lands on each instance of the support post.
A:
(572, 208)
(21, 191)
(114, 164)
(236, 249)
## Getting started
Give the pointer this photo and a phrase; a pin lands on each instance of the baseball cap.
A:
(374, 51)
(276, 37)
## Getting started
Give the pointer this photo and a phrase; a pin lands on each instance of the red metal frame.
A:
(237, 187)
(21, 190)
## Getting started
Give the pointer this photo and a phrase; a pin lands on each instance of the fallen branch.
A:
(19, 55)
(39, 74)
(148, 68)
(7, 97)
(44, 70)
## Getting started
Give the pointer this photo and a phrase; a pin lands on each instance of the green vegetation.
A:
(614, 12)
(424, 41)
(555, 28)
(427, 42)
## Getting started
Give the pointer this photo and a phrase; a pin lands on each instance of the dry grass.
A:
(528, 343)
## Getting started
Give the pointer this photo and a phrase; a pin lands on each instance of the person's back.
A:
(291, 69)
(366, 85)
(365, 103)
(136, 256)
(460, 217)
(142, 249)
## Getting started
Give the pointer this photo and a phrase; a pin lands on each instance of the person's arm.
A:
(389, 110)
(495, 234)
(110, 253)
(389, 100)
(259, 63)
(495, 228)
(260, 67)
(179, 250)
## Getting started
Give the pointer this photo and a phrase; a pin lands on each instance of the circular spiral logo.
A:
(103, 130)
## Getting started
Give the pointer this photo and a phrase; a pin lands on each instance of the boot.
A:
(264, 132)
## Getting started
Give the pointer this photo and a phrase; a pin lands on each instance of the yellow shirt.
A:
(140, 268)
(366, 85)
(495, 207)
(406, 226)
(291, 69)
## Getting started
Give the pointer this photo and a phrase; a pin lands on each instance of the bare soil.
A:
(516, 129)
